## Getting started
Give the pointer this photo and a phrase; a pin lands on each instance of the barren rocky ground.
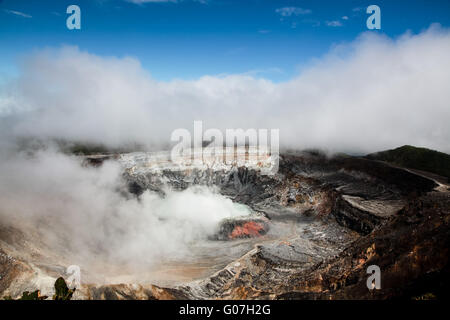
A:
(315, 227)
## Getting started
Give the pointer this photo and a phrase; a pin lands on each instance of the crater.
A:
(227, 231)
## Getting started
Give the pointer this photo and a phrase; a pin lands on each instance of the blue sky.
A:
(188, 39)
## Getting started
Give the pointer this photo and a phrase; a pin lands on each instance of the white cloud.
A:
(344, 18)
(18, 13)
(369, 95)
(292, 11)
(334, 23)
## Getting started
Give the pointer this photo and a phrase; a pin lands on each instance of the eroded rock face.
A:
(315, 227)
(127, 292)
(10, 269)
(412, 251)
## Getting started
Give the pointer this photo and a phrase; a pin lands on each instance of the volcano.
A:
(310, 231)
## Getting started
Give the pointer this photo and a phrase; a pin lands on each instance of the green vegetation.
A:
(416, 158)
(26, 295)
(426, 296)
(86, 148)
(32, 145)
(62, 293)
